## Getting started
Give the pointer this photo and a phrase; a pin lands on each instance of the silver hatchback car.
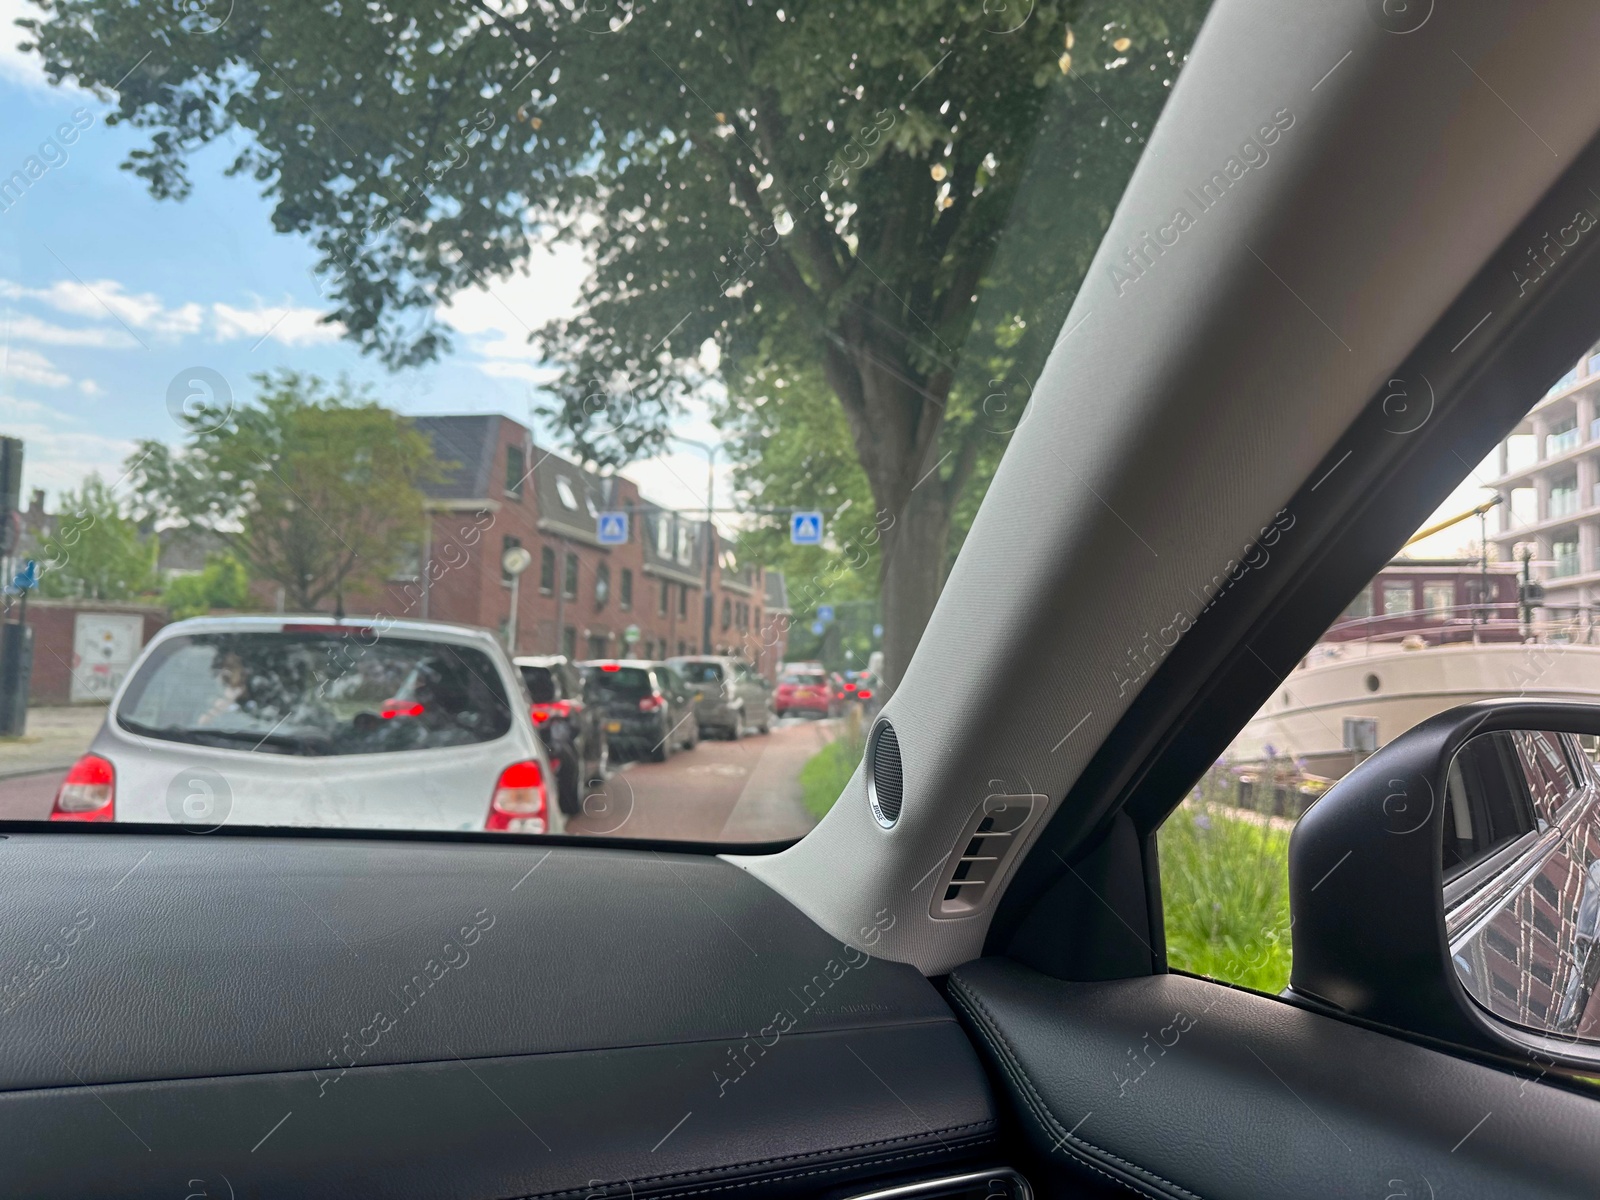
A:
(734, 698)
(312, 721)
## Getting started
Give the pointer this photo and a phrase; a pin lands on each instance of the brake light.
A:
(557, 708)
(401, 708)
(88, 793)
(610, 667)
(849, 687)
(865, 694)
(518, 804)
(652, 704)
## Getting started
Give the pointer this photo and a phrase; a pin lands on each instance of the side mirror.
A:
(1449, 886)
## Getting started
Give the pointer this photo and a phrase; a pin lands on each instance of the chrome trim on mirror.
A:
(1012, 1186)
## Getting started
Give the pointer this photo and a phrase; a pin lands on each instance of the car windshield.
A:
(313, 694)
(609, 330)
(540, 682)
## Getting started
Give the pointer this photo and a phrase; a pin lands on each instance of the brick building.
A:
(579, 597)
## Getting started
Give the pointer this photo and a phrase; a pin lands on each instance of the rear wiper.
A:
(206, 737)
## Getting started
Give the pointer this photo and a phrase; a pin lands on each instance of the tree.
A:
(826, 183)
(221, 583)
(96, 552)
(314, 487)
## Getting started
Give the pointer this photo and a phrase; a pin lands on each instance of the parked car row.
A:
(318, 721)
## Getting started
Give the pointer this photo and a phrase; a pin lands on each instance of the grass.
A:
(1225, 894)
(829, 769)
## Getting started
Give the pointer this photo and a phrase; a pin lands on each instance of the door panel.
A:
(1179, 1087)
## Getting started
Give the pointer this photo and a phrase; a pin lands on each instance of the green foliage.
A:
(1225, 894)
(900, 196)
(96, 551)
(828, 770)
(313, 487)
(222, 583)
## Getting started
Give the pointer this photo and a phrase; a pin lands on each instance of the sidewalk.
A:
(53, 742)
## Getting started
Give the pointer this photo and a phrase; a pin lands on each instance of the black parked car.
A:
(572, 730)
(649, 707)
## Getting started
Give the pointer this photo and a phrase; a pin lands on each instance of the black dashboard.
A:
(241, 1016)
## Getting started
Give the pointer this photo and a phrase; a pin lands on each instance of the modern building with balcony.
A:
(1552, 495)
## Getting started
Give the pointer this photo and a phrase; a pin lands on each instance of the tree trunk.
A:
(911, 574)
(895, 417)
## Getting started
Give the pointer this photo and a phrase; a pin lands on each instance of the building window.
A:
(1396, 599)
(506, 543)
(626, 598)
(681, 650)
(599, 645)
(569, 583)
(516, 470)
(1439, 599)
(661, 606)
(564, 490)
(664, 536)
(727, 613)
(683, 599)
(602, 586)
(1564, 497)
(569, 642)
(547, 570)
(685, 545)
(1566, 556)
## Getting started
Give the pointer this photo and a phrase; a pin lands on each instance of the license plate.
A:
(613, 726)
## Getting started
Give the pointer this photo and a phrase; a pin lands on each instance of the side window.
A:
(547, 570)
(1493, 596)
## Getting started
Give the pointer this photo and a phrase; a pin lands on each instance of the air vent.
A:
(988, 842)
(885, 782)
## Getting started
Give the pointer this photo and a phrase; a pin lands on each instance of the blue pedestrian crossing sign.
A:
(805, 528)
(612, 529)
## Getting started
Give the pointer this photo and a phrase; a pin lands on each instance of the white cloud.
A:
(106, 297)
(58, 461)
(90, 388)
(32, 329)
(291, 325)
(32, 367)
(496, 320)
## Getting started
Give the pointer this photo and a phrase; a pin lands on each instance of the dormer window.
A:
(564, 490)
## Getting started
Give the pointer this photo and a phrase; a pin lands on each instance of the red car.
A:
(801, 691)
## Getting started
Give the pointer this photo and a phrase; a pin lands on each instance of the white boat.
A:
(1375, 676)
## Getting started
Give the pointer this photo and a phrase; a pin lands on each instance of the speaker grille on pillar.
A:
(885, 781)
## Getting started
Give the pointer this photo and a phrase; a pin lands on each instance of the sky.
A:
(107, 296)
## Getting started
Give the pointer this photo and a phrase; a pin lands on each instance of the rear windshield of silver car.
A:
(700, 672)
(313, 693)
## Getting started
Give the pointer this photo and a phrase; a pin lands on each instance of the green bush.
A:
(1225, 895)
(829, 769)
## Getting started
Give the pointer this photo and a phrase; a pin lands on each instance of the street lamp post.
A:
(711, 486)
(514, 562)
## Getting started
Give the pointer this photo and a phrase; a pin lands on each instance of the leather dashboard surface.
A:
(1181, 1088)
(251, 1016)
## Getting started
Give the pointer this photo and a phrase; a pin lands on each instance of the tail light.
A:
(88, 793)
(401, 708)
(518, 804)
(558, 708)
(865, 694)
(849, 687)
(652, 704)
